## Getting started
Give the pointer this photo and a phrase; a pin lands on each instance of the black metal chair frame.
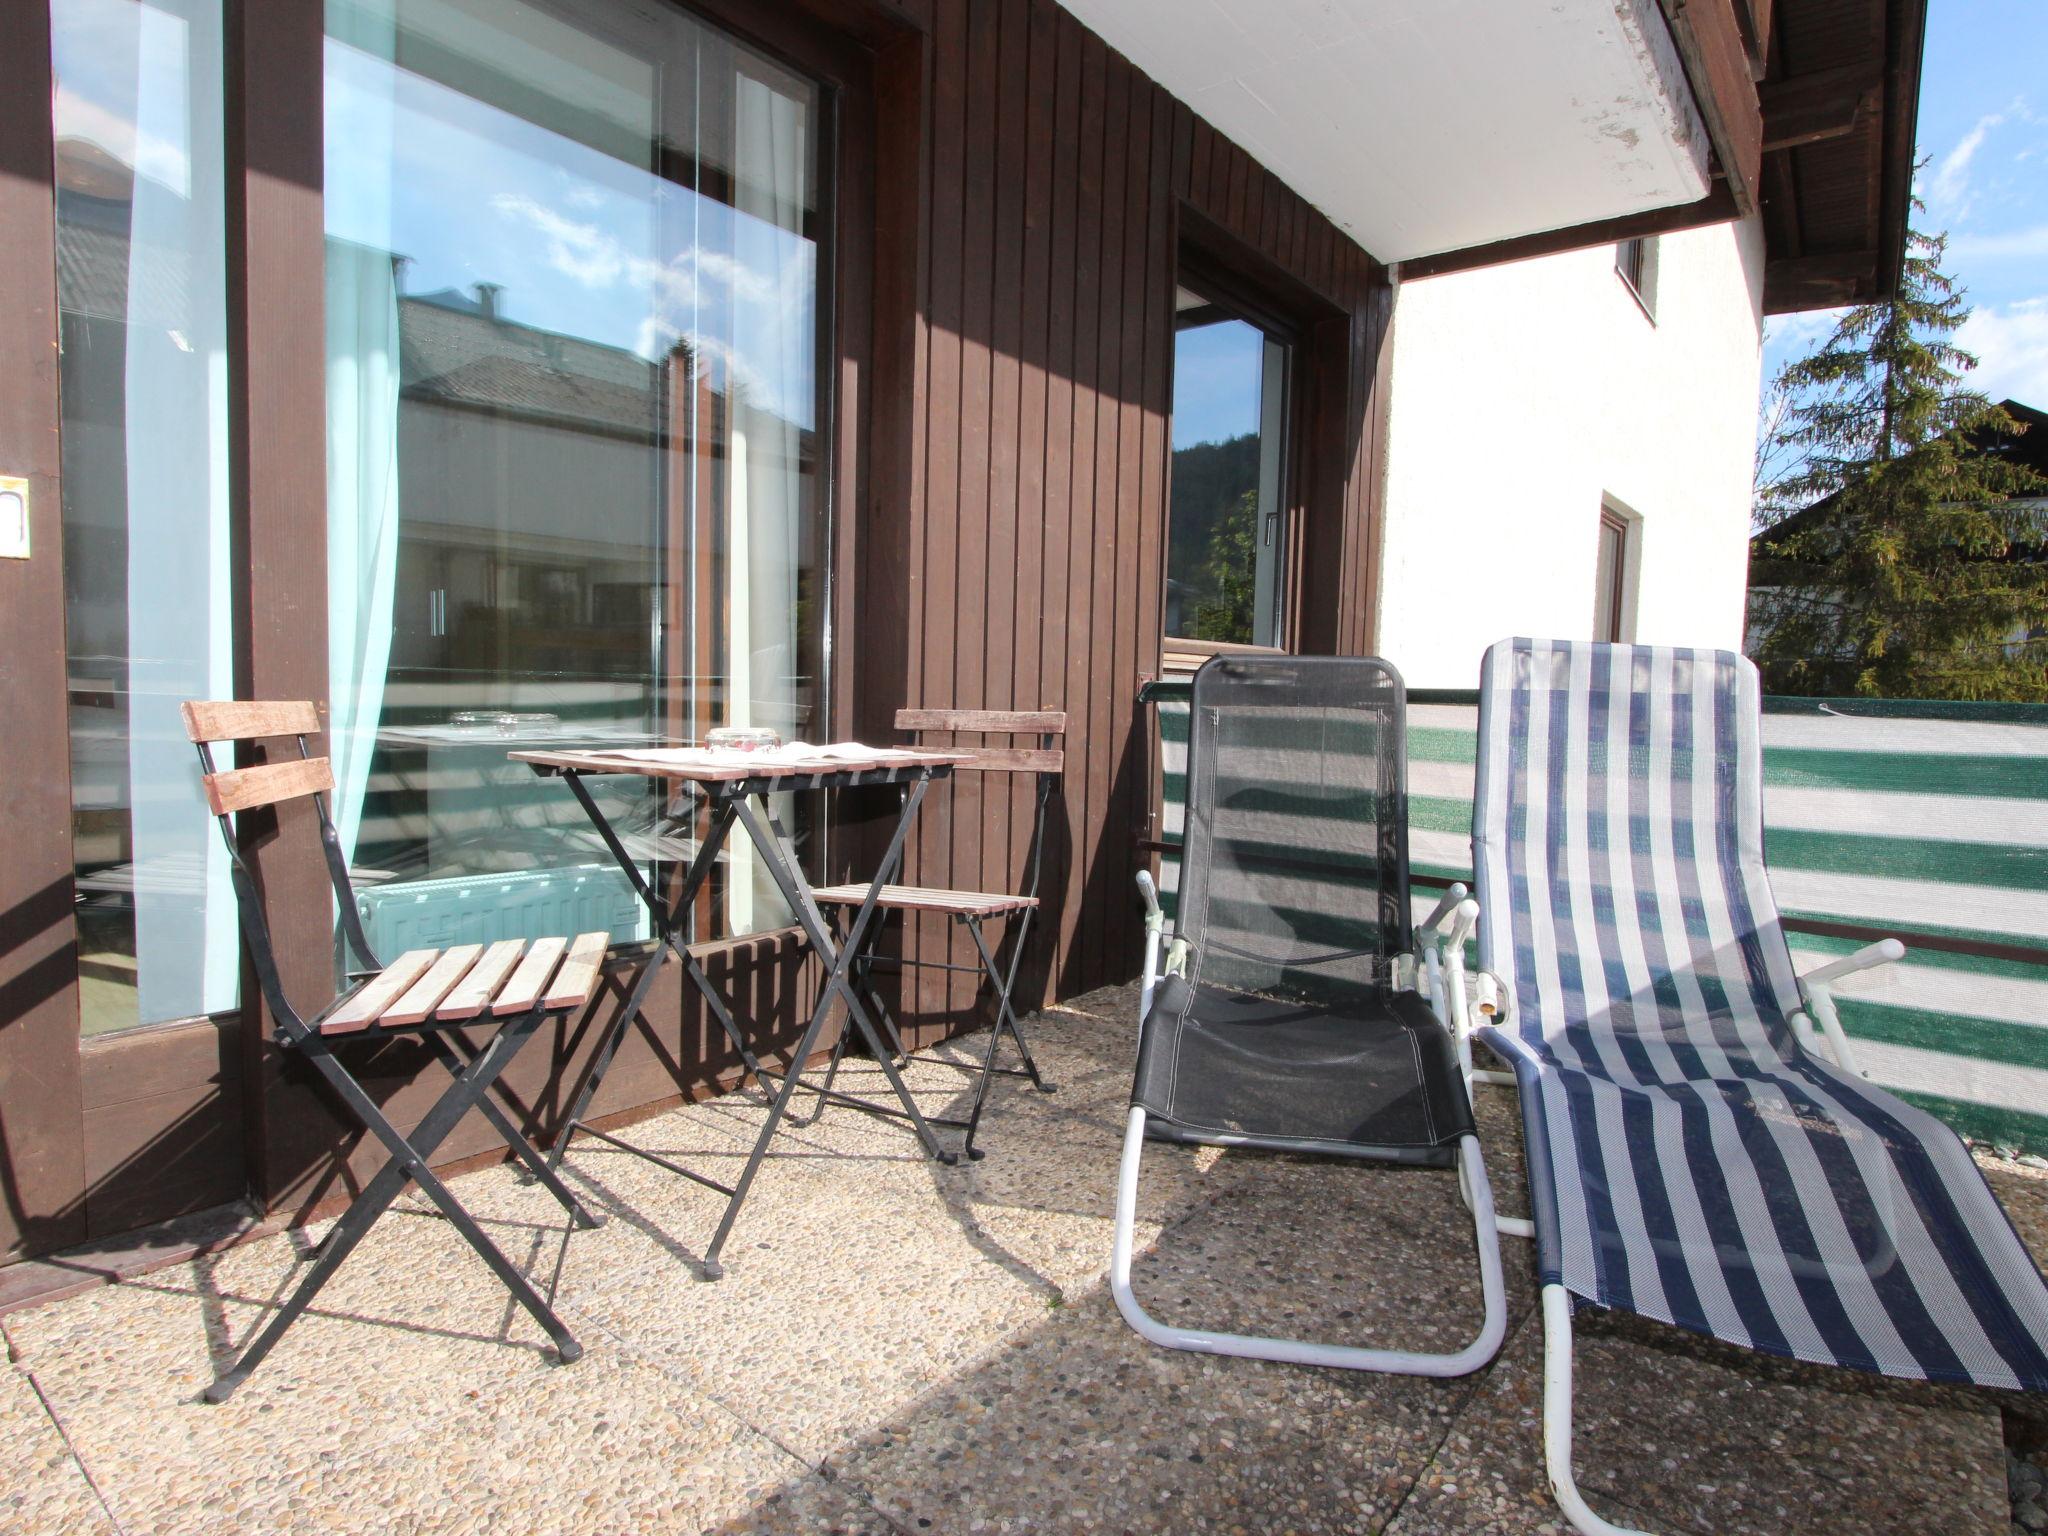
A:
(411, 1156)
(1000, 979)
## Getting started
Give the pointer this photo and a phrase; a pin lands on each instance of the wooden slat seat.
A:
(917, 898)
(577, 978)
(467, 981)
(507, 992)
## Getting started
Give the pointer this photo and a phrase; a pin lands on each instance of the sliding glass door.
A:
(141, 292)
(564, 335)
(573, 479)
(573, 488)
(1227, 523)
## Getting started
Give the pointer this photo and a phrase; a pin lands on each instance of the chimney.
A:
(487, 299)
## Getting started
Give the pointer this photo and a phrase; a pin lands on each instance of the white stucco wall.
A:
(1523, 395)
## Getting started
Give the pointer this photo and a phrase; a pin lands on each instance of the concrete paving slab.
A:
(42, 1485)
(900, 1347)
(1683, 1434)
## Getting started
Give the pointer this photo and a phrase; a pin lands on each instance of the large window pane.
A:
(142, 307)
(572, 447)
(1229, 430)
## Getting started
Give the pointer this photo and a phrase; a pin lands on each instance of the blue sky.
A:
(1216, 378)
(1983, 132)
(582, 242)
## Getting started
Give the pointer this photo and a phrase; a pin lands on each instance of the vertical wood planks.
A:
(41, 1094)
(1036, 527)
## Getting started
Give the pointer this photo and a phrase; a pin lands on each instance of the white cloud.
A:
(1799, 330)
(1952, 176)
(2011, 344)
(147, 154)
(769, 310)
(2017, 242)
(597, 258)
(577, 250)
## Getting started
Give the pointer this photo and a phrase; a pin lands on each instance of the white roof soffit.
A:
(1425, 126)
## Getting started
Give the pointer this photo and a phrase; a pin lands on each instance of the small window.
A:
(1635, 261)
(1610, 579)
(1227, 522)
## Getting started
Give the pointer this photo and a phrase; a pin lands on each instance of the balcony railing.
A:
(1920, 820)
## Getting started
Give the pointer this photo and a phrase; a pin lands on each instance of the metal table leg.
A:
(779, 858)
(666, 943)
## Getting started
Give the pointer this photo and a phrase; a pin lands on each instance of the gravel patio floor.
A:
(901, 1348)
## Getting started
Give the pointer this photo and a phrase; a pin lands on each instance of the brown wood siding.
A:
(1011, 196)
(163, 1123)
(41, 1150)
(1020, 440)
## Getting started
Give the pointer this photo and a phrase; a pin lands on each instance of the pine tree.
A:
(1894, 559)
(1228, 606)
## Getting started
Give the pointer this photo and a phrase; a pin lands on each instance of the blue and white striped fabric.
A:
(1688, 1159)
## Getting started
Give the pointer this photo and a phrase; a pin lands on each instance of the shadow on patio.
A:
(900, 1347)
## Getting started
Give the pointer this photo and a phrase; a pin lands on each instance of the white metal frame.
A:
(1495, 1006)
(1820, 1000)
(1447, 929)
(1557, 1419)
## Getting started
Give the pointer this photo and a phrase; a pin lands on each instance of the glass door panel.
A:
(1227, 519)
(572, 417)
(141, 293)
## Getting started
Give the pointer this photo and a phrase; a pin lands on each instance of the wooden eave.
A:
(1840, 100)
(1810, 106)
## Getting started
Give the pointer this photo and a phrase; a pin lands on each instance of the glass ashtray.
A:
(504, 722)
(742, 738)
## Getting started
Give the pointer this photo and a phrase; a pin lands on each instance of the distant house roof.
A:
(2031, 446)
(458, 349)
(2028, 448)
(94, 274)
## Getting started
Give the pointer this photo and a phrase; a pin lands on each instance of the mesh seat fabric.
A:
(1294, 898)
(1232, 1067)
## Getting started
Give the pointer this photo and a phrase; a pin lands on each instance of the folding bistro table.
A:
(730, 781)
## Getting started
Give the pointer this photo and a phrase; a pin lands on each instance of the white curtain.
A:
(362, 400)
(772, 323)
(180, 636)
(362, 513)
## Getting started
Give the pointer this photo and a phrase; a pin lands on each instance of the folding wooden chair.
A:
(510, 988)
(972, 909)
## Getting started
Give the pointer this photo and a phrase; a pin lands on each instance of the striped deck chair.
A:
(1694, 1153)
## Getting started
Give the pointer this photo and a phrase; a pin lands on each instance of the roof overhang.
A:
(1445, 134)
(1840, 102)
(1434, 126)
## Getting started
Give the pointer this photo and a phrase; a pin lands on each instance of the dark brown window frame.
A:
(1624, 530)
(1211, 262)
(1227, 299)
(1635, 263)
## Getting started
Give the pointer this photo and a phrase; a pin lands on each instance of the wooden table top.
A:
(724, 765)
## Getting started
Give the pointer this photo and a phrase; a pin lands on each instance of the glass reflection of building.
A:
(572, 326)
